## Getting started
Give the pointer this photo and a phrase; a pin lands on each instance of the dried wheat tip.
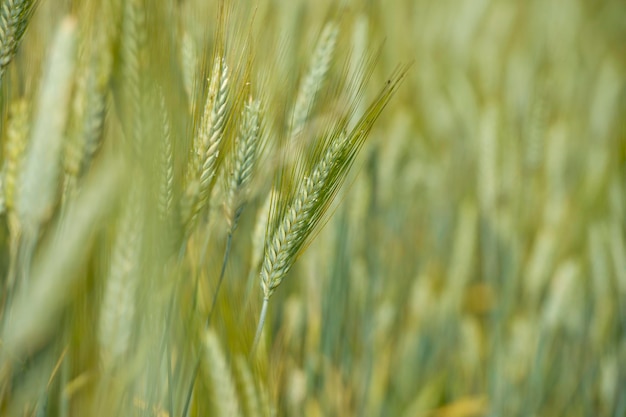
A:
(223, 386)
(207, 142)
(313, 80)
(16, 139)
(244, 158)
(133, 43)
(118, 305)
(166, 169)
(38, 178)
(14, 18)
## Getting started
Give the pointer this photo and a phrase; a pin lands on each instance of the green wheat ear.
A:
(296, 215)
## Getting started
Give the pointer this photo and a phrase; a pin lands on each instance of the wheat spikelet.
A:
(224, 391)
(38, 178)
(312, 82)
(14, 18)
(207, 143)
(244, 160)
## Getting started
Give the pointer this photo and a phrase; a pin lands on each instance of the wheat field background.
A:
(296, 208)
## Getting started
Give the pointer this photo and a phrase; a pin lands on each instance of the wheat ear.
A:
(132, 52)
(222, 383)
(207, 144)
(118, 304)
(38, 178)
(17, 135)
(313, 80)
(14, 18)
(166, 169)
(297, 218)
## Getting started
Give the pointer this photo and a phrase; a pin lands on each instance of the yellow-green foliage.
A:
(381, 208)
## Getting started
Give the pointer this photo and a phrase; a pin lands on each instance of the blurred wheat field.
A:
(383, 208)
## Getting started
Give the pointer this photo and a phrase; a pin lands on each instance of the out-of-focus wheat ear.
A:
(118, 305)
(36, 309)
(38, 180)
(189, 64)
(244, 158)
(133, 41)
(166, 169)
(314, 78)
(207, 144)
(14, 18)
(16, 140)
(251, 401)
(225, 396)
